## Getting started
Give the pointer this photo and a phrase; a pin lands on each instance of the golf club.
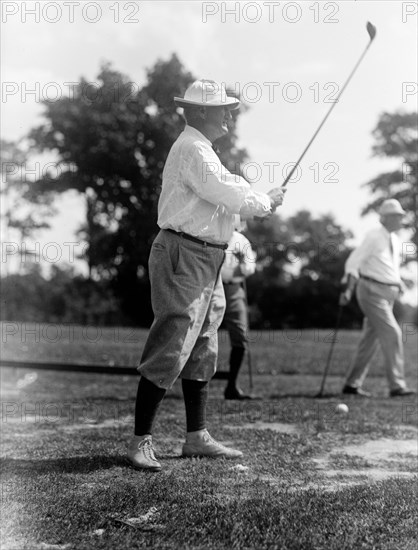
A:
(250, 368)
(334, 339)
(371, 29)
(249, 359)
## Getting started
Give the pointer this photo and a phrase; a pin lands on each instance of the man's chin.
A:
(221, 132)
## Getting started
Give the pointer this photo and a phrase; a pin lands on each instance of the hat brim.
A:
(231, 102)
(394, 212)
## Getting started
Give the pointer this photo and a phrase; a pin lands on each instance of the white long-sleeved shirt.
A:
(200, 196)
(233, 270)
(376, 258)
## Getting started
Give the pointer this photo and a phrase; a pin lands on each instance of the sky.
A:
(286, 58)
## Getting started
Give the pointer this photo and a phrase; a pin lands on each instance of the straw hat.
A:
(207, 93)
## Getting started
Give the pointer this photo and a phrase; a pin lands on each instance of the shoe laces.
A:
(207, 437)
(147, 448)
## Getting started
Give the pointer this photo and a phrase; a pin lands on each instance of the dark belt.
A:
(378, 282)
(196, 240)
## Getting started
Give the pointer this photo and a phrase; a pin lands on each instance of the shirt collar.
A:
(192, 131)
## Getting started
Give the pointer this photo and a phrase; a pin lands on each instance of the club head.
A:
(371, 29)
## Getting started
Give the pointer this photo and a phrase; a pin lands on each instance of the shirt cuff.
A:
(255, 204)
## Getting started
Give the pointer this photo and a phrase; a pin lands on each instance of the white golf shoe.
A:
(141, 454)
(201, 443)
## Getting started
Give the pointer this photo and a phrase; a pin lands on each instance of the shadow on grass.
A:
(306, 395)
(74, 464)
(71, 465)
(128, 400)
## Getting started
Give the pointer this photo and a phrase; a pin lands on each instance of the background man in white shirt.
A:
(373, 268)
(197, 212)
(240, 263)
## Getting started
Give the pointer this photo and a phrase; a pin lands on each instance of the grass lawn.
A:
(309, 477)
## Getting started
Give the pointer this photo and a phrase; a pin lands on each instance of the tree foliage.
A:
(300, 266)
(396, 137)
(64, 297)
(24, 211)
(300, 244)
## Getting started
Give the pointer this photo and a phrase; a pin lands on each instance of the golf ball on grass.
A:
(341, 408)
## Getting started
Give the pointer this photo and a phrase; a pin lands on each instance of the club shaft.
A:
(334, 339)
(327, 115)
(250, 368)
(249, 358)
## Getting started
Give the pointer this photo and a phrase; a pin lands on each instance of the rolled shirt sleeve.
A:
(248, 267)
(240, 259)
(355, 260)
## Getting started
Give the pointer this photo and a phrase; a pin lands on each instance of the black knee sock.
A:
(148, 400)
(195, 398)
(235, 362)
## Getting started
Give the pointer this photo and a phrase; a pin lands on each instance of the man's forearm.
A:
(351, 283)
(347, 294)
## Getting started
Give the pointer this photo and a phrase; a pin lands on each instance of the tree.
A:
(396, 136)
(300, 266)
(64, 297)
(23, 212)
(298, 245)
(113, 138)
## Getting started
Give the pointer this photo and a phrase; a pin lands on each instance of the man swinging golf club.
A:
(373, 268)
(198, 208)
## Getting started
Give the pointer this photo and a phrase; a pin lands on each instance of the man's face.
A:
(393, 222)
(217, 119)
